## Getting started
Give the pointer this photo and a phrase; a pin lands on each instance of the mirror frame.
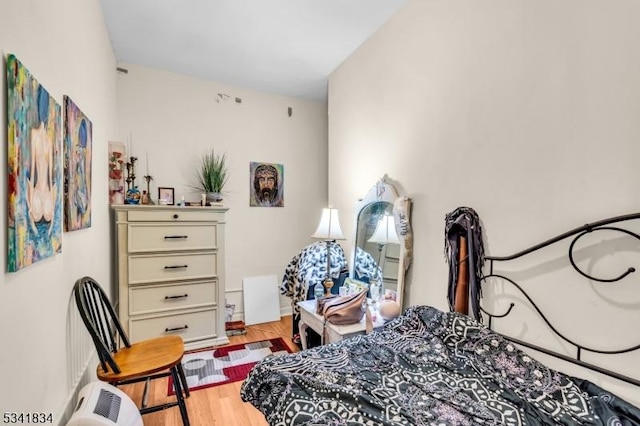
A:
(383, 190)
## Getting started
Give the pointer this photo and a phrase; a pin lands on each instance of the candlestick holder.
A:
(128, 178)
(146, 196)
(131, 172)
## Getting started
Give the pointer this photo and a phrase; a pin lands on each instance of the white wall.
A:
(175, 118)
(525, 111)
(65, 46)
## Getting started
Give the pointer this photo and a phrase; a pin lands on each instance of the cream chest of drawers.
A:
(170, 272)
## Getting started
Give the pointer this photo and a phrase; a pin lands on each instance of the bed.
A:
(429, 367)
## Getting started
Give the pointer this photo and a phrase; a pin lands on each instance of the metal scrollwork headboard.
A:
(577, 234)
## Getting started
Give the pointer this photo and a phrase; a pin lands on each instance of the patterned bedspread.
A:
(426, 367)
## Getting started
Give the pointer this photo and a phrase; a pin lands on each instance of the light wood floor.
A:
(217, 405)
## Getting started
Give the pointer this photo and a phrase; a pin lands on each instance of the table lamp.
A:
(329, 230)
(385, 233)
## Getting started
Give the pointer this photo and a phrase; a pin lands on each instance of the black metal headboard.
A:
(576, 233)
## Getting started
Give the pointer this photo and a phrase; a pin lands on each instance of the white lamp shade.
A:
(385, 232)
(329, 227)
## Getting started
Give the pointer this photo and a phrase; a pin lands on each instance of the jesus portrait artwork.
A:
(267, 185)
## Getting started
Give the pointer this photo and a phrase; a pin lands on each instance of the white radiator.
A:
(100, 404)
(80, 347)
(81, 359)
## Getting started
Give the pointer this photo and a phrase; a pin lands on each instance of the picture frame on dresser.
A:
(166, 196)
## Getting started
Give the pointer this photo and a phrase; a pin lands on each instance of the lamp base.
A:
(328, 283)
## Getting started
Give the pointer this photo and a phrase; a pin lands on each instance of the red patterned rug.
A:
(218, 366)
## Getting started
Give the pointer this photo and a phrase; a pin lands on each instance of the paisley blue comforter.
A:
(426, 367)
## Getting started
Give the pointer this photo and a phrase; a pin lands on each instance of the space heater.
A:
(101, 404)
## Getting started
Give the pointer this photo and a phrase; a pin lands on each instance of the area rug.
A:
(218, 366)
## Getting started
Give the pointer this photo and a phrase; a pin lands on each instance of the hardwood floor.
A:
(218, 405)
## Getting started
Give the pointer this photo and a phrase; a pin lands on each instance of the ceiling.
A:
(287, 47)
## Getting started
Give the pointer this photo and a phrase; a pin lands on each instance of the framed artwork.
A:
(34, 166)
(166, 196)
(266, 187)
(117, 164)
(77, 167)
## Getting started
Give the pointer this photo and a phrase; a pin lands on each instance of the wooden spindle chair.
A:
(122, 362)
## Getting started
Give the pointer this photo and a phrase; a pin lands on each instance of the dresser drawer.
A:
(155, 298)
(190, 326)
(171, 237)
(174, 267)
(185, 214)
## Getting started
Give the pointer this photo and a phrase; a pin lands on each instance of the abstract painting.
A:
(77, 167)
(267, 185)
(34, 165)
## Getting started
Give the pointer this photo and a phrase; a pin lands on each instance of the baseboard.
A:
(284, 311)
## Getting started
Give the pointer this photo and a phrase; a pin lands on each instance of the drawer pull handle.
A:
(176, 237)
(176, 267)
(175, 216)
(168, 330)
(181, 296)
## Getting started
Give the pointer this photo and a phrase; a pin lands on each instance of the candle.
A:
(147, 161)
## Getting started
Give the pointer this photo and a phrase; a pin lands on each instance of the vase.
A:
(132, 196)
(214, 197)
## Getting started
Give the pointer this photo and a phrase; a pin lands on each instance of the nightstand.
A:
(335, 333)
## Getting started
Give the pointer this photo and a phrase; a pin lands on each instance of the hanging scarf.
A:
(309, 267)
(464, 221)
(366, 267)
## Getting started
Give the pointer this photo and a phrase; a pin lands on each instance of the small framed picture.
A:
(166, 196)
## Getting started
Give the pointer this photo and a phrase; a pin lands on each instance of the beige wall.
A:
(65, 46)
(536, 101)
(525, 111)
(175, 119)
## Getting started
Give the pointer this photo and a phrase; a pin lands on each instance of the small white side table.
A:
(335, 333)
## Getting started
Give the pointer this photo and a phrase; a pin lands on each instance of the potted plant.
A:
(212, 175)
